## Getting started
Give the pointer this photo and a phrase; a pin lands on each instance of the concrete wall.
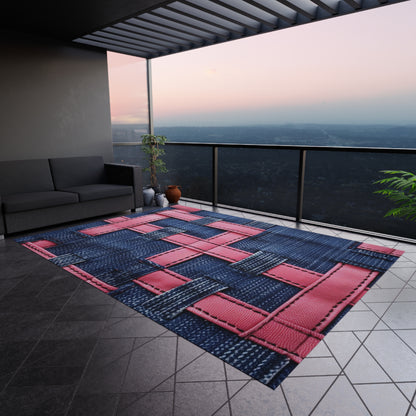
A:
(54, 100)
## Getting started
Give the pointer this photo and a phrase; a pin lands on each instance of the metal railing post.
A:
(214, 176)
(301, 184)
(150, 95)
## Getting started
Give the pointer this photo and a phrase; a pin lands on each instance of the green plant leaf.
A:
(401, 190)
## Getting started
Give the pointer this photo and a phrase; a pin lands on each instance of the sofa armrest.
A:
(127, 175)
(2, 226)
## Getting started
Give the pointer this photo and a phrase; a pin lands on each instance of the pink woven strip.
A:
(228, 253)
(182, 239)
(293, 275)
(175, 256)
(226, 238)
(44, 243)
(116, 219)
(315, 307)
(117, 225)
(381, 249)
(237, 228)
(185, 208)
(202, 245)
(161, 281)
(145, 228)
(239, 317)
(180, 215)
(102, 229)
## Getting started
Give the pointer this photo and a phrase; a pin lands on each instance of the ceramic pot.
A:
(173, 193)
(148, 196)
(160, 199)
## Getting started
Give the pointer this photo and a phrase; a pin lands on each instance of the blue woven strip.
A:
(258, 263)
(66, 260)
(311, 251)
(132, 295)
(262, 363)
(258, 290)
(205, 221)
(260, 224)
(173, 302)
(236, 220)
(367, 259)
(165, 232)
(190, 227)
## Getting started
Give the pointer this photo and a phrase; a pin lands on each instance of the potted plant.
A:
(151, 146)
(401, 189)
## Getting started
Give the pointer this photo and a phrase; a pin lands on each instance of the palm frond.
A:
(402, 191)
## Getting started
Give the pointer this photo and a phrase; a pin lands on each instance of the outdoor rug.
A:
(256, 295)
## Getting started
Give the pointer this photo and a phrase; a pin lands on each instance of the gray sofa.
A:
(43, 192)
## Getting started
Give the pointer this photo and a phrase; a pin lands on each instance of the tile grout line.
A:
(326, 392)
(39, 339)
(85, 369)
(286, 399)
(174, 375)
(369, 352)
(411, 403)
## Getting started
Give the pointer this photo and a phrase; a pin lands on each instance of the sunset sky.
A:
(358, 68)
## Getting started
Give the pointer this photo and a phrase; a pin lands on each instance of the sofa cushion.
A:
(25, 176)
(77, 171)
(34, 200)
(99, 191)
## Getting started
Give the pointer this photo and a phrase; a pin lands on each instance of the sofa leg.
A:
(1, 236)
(136, 210)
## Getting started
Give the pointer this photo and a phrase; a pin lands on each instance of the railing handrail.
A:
(302, 149)
(285, 146)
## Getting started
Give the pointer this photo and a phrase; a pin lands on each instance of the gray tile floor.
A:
(68, 349)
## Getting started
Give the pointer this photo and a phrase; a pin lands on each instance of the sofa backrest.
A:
(25, 176)
(77, 171)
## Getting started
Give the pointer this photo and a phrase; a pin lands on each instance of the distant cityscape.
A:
(403, 136)
(339, 186)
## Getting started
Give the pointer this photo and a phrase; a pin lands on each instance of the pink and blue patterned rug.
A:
(256, 295)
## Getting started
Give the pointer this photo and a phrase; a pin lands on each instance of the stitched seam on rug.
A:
(139, 282)
(276, 346)
(81, 272)
(174, 261)
(246, 306)
(36, 249)
(220, 256)
(305, 331)
(343, 300)
(227, 224)
(236, 239)
(300, 297)
(91, 279)
(224, 256)
(302, 270)
(155, 287)
(282, 279)
(217, 319)
(183, 259)
(310, 289)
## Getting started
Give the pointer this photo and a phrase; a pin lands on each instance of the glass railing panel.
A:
(128, 154)
(259, 179)
(339, 189)
(190, 167)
